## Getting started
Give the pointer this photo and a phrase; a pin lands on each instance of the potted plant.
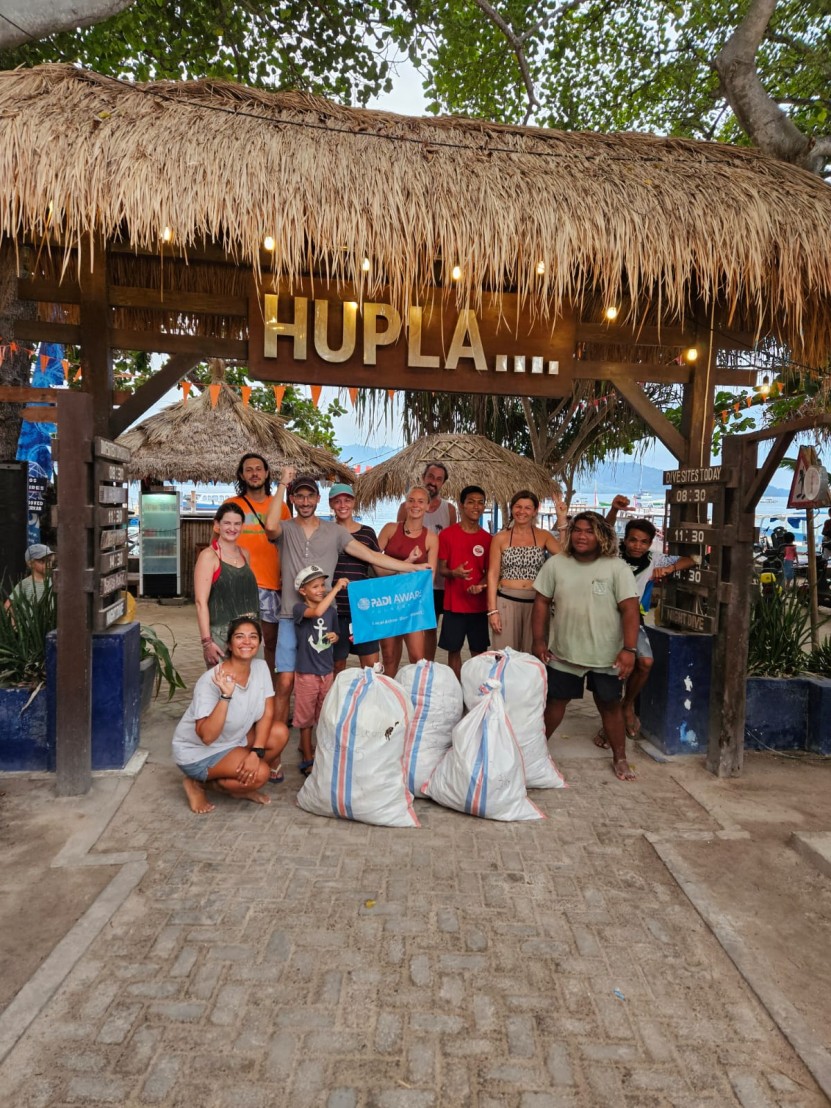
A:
(157, 665)
(24, 625)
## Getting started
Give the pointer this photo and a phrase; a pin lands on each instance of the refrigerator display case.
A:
(159, 544)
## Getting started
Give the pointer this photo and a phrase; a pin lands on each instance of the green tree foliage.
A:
(337, 48)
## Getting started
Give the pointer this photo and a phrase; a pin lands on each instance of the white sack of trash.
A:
(437, 706)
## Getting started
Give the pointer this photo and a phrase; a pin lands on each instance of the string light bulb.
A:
(540, 268)
(167, 234)
(611, 312)
(691, 354)
(269, 243)
(765, 387)
(456, 272)
(365, 265)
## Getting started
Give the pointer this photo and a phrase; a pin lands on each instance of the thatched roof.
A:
(628, 218)
(191, 441)
(470, 460)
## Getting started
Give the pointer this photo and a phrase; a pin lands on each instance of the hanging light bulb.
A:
(765, 388)
(611, 312)
(269, 243)
(167, 234)
(365, 265)
(456, 272)
(691, 354)
(540, 268)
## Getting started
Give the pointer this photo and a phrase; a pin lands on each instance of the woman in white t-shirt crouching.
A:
(228, 738)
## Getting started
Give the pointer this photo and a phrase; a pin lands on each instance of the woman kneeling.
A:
(228, 737)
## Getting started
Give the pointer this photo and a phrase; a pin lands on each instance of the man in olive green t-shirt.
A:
(594, 631)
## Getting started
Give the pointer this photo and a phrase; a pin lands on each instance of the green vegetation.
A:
(24, 626)
(153, 646)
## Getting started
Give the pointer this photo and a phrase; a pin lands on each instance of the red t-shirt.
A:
(455, 547)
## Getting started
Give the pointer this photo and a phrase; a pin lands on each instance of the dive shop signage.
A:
(307, 335)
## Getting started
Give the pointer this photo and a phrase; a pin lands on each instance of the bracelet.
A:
(629, 649)
(492, 612)
(222, 696)
(207, 641)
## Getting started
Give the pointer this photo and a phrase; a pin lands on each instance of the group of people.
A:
(274, 616)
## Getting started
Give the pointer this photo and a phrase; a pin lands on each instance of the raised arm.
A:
(619, 504)
(382, 561)
(273, 526)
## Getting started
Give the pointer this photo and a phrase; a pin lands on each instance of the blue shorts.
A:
(199, 770)
(286, 654)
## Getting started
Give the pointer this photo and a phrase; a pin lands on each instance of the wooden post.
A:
(725, 755)
(74, 600)
(813, 603)
(96, 357)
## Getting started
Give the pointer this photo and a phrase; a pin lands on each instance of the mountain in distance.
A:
(611, 477)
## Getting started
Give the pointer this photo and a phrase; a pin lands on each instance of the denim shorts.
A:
(269, 605)
(286, 654)
(199, 770)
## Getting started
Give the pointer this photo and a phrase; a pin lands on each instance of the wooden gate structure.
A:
(328, 245)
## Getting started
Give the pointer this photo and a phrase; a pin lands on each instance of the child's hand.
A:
(332, 637)
(342, 583)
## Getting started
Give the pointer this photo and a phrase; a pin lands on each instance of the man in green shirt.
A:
(38, 558)
(594, 632)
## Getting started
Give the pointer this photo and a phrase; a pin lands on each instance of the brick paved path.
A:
(271, 957)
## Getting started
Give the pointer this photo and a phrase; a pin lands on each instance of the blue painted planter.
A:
(116, 692)
(776, 717)
(819, 715)
(24, 743)
(675, 704)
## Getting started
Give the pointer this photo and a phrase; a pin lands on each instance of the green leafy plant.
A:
(780, 635)
(819, 660)
(24, 625)
(153, 646)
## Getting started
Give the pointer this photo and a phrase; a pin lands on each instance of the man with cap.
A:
(342, 501)
(39, 560)
(302, 541)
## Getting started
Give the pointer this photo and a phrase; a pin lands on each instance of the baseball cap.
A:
(341, 490)
(310, 573)
(304, 482)
(37, 551)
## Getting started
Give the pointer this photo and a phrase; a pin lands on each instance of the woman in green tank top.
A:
(224, 585)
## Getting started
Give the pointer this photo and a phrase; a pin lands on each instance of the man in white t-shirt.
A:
(593, 635)
(440, 514)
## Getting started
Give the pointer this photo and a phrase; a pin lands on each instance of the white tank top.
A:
(437, 521)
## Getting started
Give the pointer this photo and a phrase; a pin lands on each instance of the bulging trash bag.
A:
(358, 771)
(482, 773)
(437, 706)
(523, 681)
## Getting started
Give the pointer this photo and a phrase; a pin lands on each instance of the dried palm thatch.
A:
(470, 460)
(192, 441)
(626, 218)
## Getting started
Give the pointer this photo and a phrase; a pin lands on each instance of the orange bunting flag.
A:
(185, 391)
(316, 390)
(13, 347)
(749, 401)
(353, 396)
(77, 376)
(44, 362)
(65, 367)
(214, 390)
(724, 417)
(246, 394)
(736, 408)
(279, 393)
(390, 393)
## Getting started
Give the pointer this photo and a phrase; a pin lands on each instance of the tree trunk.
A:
(25, 20)
(14, 365)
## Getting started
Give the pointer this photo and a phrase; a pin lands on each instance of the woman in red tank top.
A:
(411, 542)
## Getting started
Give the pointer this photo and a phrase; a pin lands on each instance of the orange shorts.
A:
(310, 690)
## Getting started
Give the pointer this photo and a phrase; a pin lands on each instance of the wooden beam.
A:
(640, 403)
(152, 390)
(764, 475)
(200, 346)
(673, 374)
(48, 414)
(698, 414)
(794, 426)
(626, 335)
(23, 394)
(96, 353)
(127, 296)
(42, 330)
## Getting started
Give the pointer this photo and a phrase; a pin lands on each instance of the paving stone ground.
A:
(271, 957)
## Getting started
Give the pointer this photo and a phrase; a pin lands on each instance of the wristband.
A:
(222, 696)
(493, 612)
(258, 750)
(629, 649)
(207, 642)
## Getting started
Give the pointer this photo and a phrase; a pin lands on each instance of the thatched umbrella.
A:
(470, 460)
(194, 441)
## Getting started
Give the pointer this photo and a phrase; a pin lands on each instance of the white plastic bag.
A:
(523, 681)
(437, 706)
(357, 772)
(482, 772)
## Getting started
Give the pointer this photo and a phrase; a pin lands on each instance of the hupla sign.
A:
(303, 334)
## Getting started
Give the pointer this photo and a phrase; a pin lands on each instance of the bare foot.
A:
(256, 798)
(197, 797)
(601, 740)
(622, 770)
(631, 722)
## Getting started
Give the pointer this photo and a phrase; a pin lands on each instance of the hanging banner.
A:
(386, 606)
(303, 333)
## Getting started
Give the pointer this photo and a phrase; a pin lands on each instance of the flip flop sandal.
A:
(306, 766)
(276, 777)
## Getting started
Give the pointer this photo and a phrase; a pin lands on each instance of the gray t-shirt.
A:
(314, 652)
(245, 707)
(322, 548)
(28, 587)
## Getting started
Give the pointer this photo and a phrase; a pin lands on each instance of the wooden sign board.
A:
(113, 451)
(694, 494)
(110, 471)
(111, 560)
(110, 517)
(702, 475)
(106, 617)
(694, 534)
(688, 621)
(112, 494)
(809, 487)
(317, 333)
(112, 538)
(112, 583)
(701, 578)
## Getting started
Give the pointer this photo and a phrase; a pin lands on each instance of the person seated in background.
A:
(38, 558)
(228, 739)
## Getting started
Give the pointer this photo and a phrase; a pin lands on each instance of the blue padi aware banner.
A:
(386, 606)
